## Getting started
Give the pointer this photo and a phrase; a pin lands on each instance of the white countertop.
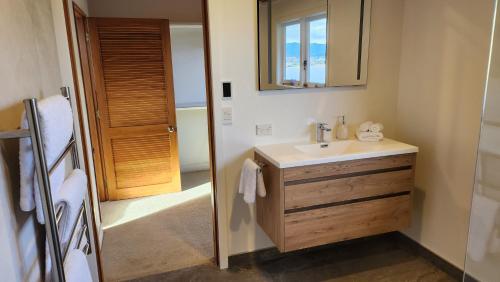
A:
(300, 154)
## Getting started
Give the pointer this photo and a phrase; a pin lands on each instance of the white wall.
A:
(190, 96)
(443, 70)
(233, 31)
(28, 68)
(193, 139)
(180, 11)
(188, 65)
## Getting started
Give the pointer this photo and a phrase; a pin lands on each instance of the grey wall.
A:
(28, 68)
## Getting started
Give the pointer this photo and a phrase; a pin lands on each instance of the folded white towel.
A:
(369, 136)
(251, 181)
(376, 127)
(70, 198)
(365, 126)
(483, 217)
(56, 124)
(76, 267)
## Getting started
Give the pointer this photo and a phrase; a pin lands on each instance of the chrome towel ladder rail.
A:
(43, 176)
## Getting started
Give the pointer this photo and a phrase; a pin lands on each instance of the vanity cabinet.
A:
(313, 205)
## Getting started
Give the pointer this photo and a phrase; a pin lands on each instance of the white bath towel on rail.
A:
(251, 181)
(56, 124)
(76, 267)
(484, 214)
(70, 197)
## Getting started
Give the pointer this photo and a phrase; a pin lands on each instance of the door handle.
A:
(172, 128)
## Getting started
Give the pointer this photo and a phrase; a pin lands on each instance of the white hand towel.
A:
(76, 267)
(376, 127)
(56, 122)
(251, 181)
(365, 126)
(483, 217)
(70, 198)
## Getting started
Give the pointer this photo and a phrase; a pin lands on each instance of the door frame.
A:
(83, 133)
(91, 102)
(210, 121)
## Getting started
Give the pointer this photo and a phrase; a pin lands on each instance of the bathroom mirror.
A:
(312, 43)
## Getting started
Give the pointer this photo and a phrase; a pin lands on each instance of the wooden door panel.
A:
(137, 107)
(135, 167)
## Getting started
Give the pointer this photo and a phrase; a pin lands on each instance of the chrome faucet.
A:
(321, 128)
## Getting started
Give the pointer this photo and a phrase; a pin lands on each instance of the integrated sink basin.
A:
(329, 149)
(299, 154)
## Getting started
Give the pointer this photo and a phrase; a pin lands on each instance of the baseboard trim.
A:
(403, 241)
(439, 262)
(272, 253)
(193, 167)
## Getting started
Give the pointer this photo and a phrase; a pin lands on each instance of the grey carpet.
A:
(170, 239)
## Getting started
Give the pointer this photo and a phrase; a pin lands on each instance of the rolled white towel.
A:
(376, 127)
(365, 126)
(370, 139)
(369, 136)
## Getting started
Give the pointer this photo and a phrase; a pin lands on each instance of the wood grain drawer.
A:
(344, 222)
(347, 167)
(345, 189)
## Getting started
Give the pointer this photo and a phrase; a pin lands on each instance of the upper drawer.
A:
(349, 168)
(346, 189)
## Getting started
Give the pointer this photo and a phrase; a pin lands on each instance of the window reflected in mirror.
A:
(312, 44)
(292, 56)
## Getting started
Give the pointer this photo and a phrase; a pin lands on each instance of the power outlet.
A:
(264, 129)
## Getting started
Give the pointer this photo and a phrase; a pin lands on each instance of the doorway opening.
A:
(147, 95)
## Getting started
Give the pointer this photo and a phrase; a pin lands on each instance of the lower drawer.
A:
(344, 222)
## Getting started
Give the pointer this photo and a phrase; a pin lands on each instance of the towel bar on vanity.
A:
(260, 163)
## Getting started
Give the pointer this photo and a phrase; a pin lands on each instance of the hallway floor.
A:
(382, 258)
(151, 235)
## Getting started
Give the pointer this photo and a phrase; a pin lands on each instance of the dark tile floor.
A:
(380, 258)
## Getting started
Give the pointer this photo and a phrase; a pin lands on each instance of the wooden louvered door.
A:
(134, 88)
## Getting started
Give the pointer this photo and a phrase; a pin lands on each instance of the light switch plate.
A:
(227, 115)
(264, 129)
